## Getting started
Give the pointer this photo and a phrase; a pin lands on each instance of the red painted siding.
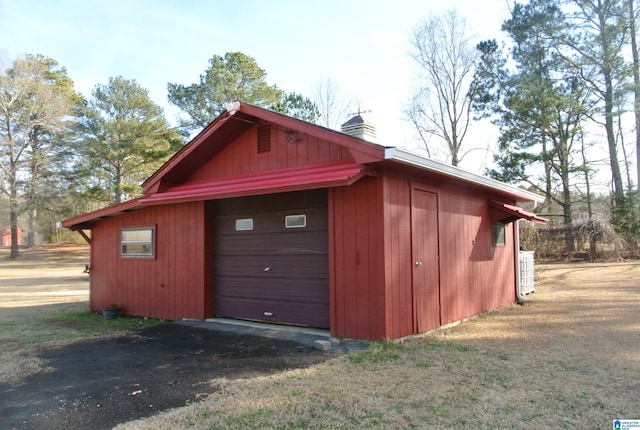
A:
(6, 236)
(475, 276)
(169, 286)
(397, 244)
(242, 157)
(357, 260)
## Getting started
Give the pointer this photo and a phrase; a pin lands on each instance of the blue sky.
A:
(362, 45)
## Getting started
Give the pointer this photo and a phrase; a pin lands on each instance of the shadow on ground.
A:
(101, 383)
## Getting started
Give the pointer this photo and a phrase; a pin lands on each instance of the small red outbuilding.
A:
(266, 217)
(6, 236)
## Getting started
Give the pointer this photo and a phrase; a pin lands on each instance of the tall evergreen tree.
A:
(542, 109)
(235, 76)
(297, 106)
(36, 101)
(595, 43)
(124, 139)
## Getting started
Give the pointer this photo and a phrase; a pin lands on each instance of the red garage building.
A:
(6, 235)
(265, 217)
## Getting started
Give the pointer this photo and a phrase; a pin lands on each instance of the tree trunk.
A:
(593, 244)
(118, 185)
(13, 215)
(587, 182)
(616, 175)
(569, 242)
(636, 85)
(31, 235)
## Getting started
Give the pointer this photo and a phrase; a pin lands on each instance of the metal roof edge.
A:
(89, 217)
(410, 158)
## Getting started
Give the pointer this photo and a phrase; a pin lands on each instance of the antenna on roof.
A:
(359, 103)
(360, 112)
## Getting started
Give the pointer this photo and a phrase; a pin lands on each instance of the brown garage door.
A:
(271, 258)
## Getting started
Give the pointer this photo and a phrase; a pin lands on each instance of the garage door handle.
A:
(267, 269)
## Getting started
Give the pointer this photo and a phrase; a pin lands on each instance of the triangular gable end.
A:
(294, 143)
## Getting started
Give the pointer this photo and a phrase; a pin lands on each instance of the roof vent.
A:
(264, 139)
(360, 128)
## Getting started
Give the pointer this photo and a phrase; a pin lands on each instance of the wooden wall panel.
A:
(168, 286)
(241, 156)
(474, 275)
(357, 260)
(487, 279)
(397, 243)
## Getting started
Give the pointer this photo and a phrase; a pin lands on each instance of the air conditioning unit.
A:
(526, 272)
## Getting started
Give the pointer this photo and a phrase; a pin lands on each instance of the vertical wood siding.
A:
(474, 275)
(169, 286)
(242, 157)
(397, 244)
(357, 260)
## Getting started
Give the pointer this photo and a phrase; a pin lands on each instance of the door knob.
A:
(418, 263)
(267, 269)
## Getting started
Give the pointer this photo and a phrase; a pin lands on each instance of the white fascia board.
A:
(409, 158)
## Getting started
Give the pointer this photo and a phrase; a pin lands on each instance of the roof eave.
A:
(86, 220)
(411, 159)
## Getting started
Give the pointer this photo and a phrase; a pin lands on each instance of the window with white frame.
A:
(137, 242)
(244, 224)
(295, 221)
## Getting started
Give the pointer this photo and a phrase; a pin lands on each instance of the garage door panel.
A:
(271, 272)
(300, 266)
(309, 242)
(288, 290)
(265, 222)
(274, 202)
(279, 312)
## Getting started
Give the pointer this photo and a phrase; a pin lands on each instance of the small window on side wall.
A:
(137, 242)
(498, 234)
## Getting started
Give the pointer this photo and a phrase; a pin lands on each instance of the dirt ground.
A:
(50, 276)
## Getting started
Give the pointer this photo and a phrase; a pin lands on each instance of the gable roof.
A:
(166, 184)
(231, 124)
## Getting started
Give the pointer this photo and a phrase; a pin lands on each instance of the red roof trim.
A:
(361, 150)
(509, 213)
(323, 175)
(83, 221)
(366, 152)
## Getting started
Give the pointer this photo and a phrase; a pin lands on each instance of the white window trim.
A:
(241, 220)
(286, 219)
(152, 252)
